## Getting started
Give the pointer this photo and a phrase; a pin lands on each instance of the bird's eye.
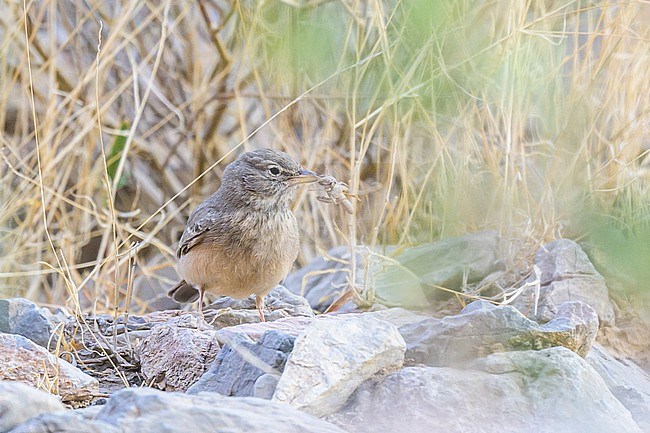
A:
(274, 170)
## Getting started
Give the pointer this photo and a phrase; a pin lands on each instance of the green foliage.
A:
(115, 156)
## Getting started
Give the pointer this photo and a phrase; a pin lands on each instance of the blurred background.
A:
(445, 117)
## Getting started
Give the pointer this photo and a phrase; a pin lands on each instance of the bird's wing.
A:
(203, 220)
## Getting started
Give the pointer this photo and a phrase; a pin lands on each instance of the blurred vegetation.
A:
(446, 117)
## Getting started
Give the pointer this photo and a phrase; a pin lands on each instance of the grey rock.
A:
(562, 259)
(22, 360)
(23, 317)
(566, 274)
(265, 386)
(626, 380)
(324, 279)
(333, 357)
(240, 363)
(65, 422)
(485, 329)
(280, 303)
(547, 391)
(176, 353)
(137, 410)
(19, 402)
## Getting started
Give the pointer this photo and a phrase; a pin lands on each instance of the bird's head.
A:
(266, 177)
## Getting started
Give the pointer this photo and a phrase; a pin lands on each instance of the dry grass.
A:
(445, 117)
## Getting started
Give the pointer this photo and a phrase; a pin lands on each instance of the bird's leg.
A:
(259, 303)
(201, 292)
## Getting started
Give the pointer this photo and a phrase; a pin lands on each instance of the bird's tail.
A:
(183, 293)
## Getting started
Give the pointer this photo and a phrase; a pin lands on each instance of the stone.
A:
(333, 357)
(176, 353)
(19, 402)
(293, 326)
(484, 329)
(565, 274)
(542, 391)
(23, 317)
(279, 304)
(325, 278)
(626, 380)
(137, 410)
(239, 364)
(265, 386)
(22, 360)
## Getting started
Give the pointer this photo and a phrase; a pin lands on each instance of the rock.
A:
(19, 402)
(539, 391)
(484, 328)
(265, 386)
(627, 381)
(293, 326)
(137, 410)
(22, 360)
(176, 353)
(23, 317)
(240, 363)
(333, 357)
(65, 422)
(565, 274)
(280, 303)
(406, 279)
(324, 279)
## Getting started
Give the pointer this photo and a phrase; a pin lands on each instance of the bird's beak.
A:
(304, 176)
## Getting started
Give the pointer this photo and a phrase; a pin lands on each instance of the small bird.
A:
(243, 239)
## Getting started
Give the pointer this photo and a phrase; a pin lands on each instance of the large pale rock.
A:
(23, 317)
(19, 402)
(627, 381)
(547, 391)
(333, 357)
(483, 328)
(176, 353)
(138, 410)
(279, 304)
(566, 274)
(240, 363)
(293, 326)
(22, 360)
